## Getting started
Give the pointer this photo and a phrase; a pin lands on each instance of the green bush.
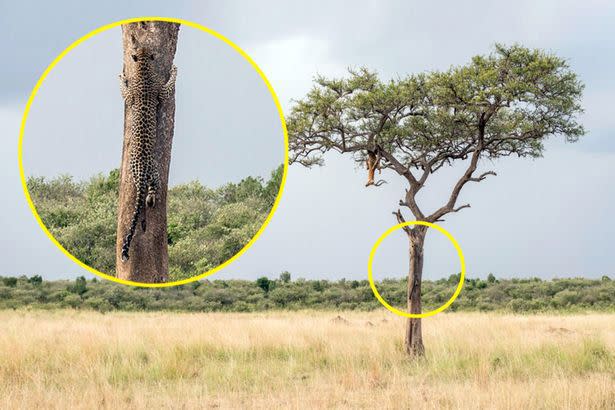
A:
(264, 283)
(263, 294)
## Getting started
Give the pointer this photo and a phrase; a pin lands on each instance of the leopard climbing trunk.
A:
(147, 85)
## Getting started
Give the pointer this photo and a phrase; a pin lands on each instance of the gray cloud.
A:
(545, 217)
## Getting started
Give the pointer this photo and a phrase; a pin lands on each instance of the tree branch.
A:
(482, 176)
(401, 220)
(399, 167)
(459, 208)
(465, 178)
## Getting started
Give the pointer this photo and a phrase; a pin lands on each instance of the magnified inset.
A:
(154, 153)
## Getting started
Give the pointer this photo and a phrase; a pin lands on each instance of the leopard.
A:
(143, 95)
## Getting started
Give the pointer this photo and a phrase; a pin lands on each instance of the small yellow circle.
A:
(100, 30)
(370, 275)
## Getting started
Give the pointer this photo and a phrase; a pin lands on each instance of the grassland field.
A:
(81, 359)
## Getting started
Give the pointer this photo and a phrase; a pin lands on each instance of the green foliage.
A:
(35, 280)
(505, 103)
(506, 295)
(285, 277)
(264, 283)
(80, 215)
(206, 227)
(80, 286)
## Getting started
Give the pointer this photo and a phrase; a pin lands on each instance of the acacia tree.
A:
(506, 103)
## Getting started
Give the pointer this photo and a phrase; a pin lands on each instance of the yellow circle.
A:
(370, 275)
(100, 30)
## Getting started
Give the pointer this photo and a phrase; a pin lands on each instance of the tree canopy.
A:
(505, 103)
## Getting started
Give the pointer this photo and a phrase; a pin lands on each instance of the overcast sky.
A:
(547, 217)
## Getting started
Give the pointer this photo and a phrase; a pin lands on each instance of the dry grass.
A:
(68, 359)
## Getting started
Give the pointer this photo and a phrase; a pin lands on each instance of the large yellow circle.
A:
(100, 30)
(370, 275)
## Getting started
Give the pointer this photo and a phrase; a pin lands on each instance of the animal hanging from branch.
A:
(142, 95)
(372, 163)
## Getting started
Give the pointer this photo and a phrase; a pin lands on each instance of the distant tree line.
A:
(512, 295)
(206, 227)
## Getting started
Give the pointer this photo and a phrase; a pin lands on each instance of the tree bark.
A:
(414, 336)
(148, 251)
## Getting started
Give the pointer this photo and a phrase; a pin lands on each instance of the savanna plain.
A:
(82, 359)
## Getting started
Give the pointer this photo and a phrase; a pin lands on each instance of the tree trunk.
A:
(148, 260)
(414, 336)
